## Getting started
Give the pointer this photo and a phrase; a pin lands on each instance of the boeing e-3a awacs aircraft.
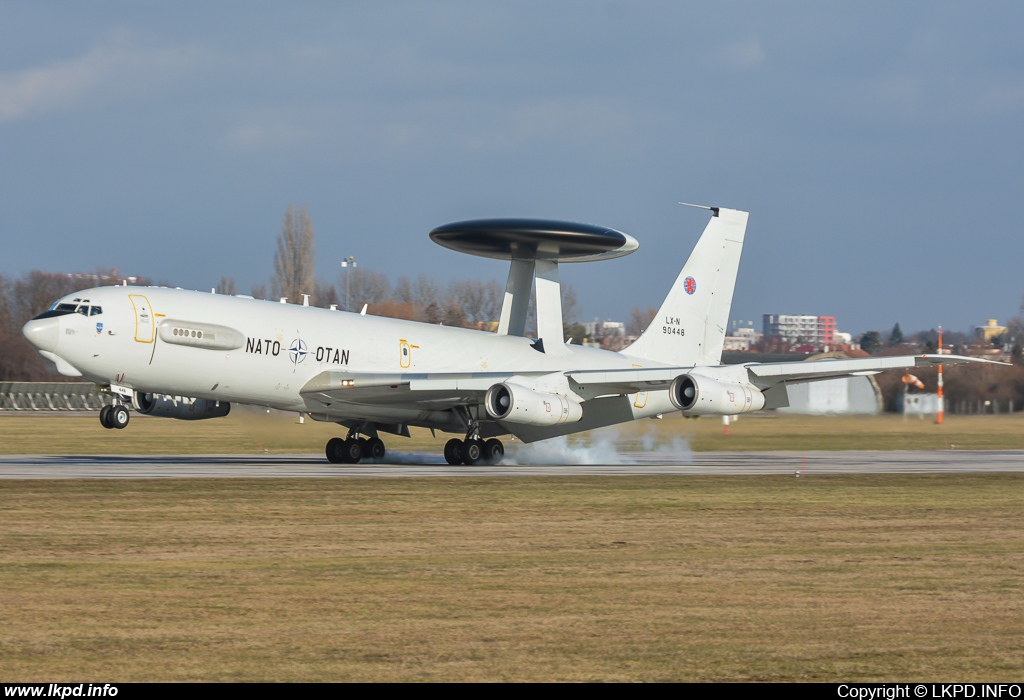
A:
(189, 355)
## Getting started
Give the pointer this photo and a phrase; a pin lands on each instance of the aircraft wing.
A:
(762, 375)
(771, 373)
(443, 390)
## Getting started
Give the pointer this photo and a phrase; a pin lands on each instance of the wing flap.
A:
(435, 390)
(628, 381)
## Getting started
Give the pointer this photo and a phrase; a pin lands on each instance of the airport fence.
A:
(51, 396)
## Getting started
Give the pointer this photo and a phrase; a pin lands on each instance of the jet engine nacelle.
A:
(697, 394)
(180, 407)
(514, 403)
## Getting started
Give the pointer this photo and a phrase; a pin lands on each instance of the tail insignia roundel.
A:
(690, 285)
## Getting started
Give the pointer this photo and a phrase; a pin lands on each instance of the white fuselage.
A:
(277, 348)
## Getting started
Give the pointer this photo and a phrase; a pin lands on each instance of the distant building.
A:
(818, 332)
(847, 395)
(990, 330)
(918, 404)
(742, 337)
(603, 329)
(608, 335)
(736, 343)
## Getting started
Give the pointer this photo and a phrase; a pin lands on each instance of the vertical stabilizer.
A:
(690, 326)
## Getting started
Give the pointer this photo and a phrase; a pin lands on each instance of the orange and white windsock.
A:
(911, 379)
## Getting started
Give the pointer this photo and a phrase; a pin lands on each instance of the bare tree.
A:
(5, 304)
(639, 320)
(295, 260)
(326, 295)
(259, 291)
(570, 305)
(426, 292)
(227, 285)
(403, 291)
(494, 297)
(364, 287)
(470, 295)
(33, 294)
(454, 314)
(433, 313)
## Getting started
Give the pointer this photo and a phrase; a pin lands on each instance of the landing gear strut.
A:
(354, 448)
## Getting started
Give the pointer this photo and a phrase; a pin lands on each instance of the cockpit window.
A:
(82, 308)
(53, 313)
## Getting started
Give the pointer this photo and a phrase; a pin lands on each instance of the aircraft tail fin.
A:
(690, 326)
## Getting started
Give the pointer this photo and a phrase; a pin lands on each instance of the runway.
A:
(428, 465)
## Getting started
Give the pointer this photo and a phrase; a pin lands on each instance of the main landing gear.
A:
(114, 416)
(473, 450)
(354, 448)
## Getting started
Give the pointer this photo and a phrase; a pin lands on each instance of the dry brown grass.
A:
(247, 432)
(624, 578)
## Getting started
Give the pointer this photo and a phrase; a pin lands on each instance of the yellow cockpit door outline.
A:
(405, 353)
(145, 324)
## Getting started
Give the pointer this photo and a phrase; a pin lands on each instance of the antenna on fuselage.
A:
(713, 210)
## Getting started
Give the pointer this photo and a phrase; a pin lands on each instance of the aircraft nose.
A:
(42, 333)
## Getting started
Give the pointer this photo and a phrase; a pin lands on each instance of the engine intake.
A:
(514, 403)
(180, 407)
(702, 395)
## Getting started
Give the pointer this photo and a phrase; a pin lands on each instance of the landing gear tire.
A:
(473, 451)
(375, 449)
(351, 451)
(494, 450)
(105, 417)
(118, 417)
(453, 451)
(333, 450)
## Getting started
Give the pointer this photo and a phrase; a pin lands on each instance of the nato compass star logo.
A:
(298, 351)
(690, 285)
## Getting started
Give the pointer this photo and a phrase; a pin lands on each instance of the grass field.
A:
(845, 578)
(851, 578)
(249, 432)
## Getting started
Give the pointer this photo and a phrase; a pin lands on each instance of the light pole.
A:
(346, 263)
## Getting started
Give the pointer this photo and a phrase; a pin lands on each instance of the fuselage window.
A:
(95, 310)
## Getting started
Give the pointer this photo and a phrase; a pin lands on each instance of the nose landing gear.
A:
(114, 416)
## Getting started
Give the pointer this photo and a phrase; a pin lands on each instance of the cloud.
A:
(266, 136)
(114, 63)
(582, 120)
(743, 54)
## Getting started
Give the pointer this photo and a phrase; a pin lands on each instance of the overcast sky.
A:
(877, 145)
